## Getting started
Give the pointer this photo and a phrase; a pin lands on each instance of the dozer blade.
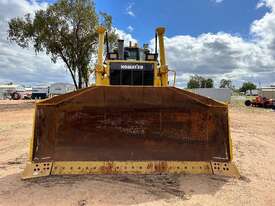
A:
(133, 130)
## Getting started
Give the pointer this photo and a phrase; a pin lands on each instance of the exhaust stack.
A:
(121, 49)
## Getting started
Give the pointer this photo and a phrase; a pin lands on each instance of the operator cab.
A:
(131, 65)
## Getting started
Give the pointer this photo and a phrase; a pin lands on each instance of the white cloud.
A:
(217, 1)
(130, 29)
(127, 37)
(12, 8)
(268, 3)
(129, 9)
(260, 4)
(22, 65)
(223, 55)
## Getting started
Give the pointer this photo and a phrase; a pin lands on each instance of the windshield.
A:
(133, 53)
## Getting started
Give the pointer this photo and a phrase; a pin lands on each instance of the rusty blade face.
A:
(121, 123)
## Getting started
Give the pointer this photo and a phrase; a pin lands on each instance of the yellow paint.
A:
(157, 77)
(32, 137)
(128, 167)
(163, 67)
(131, 167)
(130, 61)
(175, 76)
(33, 170)
(229, 138)
(100, 69)
(225, 169)
(101, 31)
(161, 31)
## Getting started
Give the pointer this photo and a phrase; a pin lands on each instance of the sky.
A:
(232, 39)
(185, 17)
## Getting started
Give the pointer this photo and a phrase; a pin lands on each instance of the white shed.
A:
(61, 88)
(253, 92)
(268, 92)
(218, 94)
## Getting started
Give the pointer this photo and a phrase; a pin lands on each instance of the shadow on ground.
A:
(105, 189)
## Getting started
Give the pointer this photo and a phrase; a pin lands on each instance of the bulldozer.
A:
(130, 122)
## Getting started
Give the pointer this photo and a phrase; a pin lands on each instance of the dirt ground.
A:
(253, 133)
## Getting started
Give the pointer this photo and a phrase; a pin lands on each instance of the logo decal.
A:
(131, 66)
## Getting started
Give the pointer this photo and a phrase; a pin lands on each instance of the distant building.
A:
(253, 92)
(60, 88)
(268, 92)
(40, 92)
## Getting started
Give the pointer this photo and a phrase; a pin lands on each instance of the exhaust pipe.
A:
(121, 49)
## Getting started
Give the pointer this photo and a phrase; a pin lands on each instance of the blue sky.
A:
(184, 17)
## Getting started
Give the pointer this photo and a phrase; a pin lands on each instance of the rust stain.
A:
(107, 169)
(131, 124)
(150, 166)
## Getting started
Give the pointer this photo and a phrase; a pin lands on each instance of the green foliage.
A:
(197, 81)
(226, 83)
(193, 83)
(207, 83)
(65, 30)
(247, 86)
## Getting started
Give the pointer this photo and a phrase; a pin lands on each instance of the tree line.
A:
(197, 81)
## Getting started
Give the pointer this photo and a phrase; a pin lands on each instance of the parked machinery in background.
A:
(14, 92)
(16, 96)
(260, 101)
(21, 93)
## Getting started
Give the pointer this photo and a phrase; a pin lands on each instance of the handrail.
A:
(175, 74)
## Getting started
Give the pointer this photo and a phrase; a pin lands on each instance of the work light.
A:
(150, 57)
(113, 56)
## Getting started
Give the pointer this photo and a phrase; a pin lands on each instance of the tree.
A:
(193, 83)
(66, 30)
(247, 86)
(226, 83)
(197, 81)
(207, 83)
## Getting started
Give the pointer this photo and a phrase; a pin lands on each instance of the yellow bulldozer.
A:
(130, 122)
